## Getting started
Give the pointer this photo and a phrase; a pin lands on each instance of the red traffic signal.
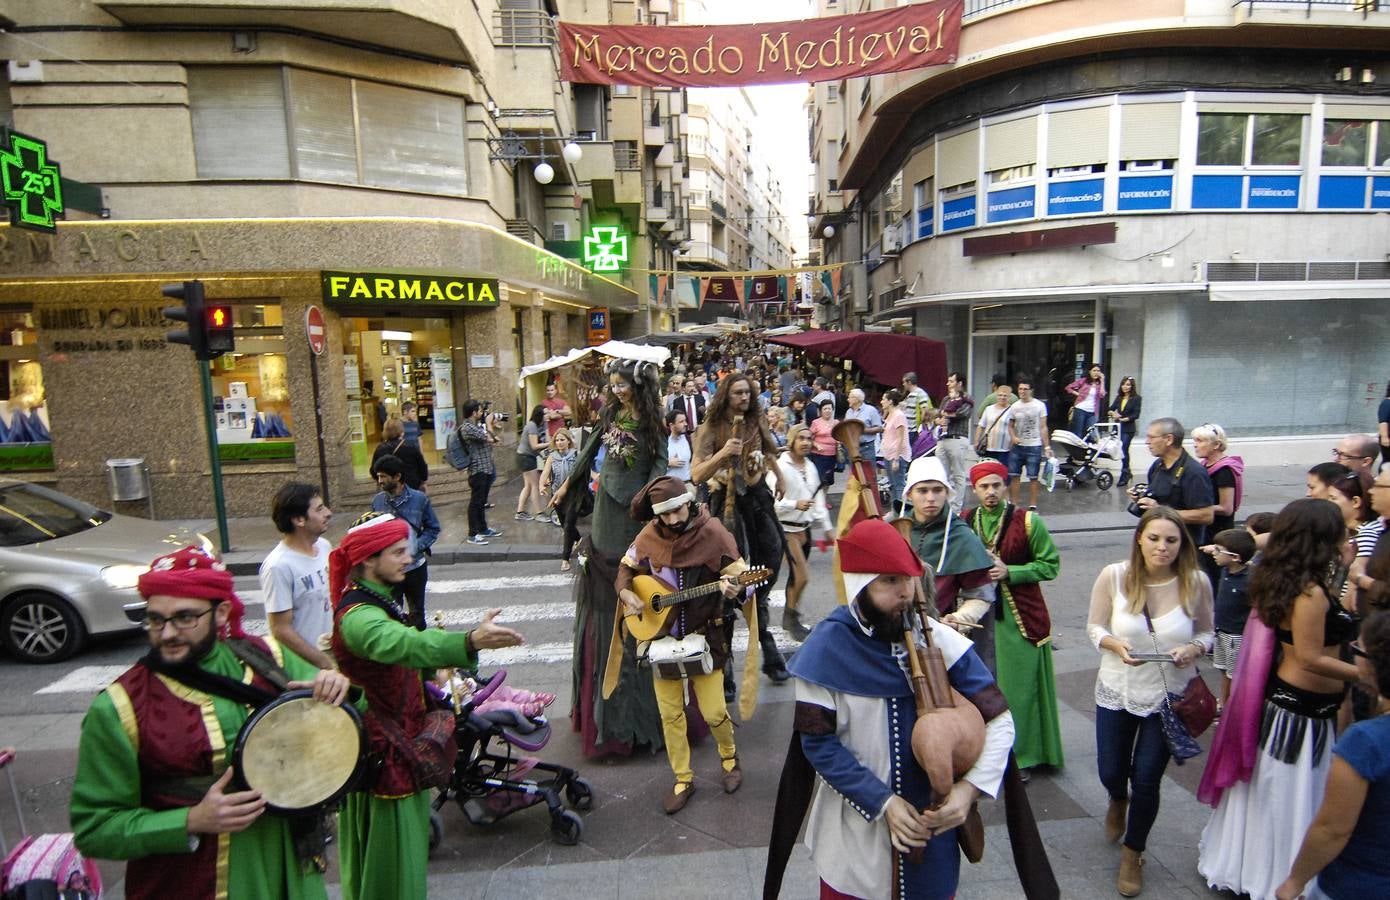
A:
(218, 328)
(190, 294)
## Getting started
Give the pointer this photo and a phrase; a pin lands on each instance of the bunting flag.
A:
(766, 289)
(836, 275)
(825, 283)
(661, 292)
(722, 290)
(653, 288)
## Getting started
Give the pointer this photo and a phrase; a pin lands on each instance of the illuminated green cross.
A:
(32, 184)
(605, 249)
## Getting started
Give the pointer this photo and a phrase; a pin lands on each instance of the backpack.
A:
(456, 452)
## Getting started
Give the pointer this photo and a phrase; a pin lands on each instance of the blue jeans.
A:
(1081, 422)
(897, 479)
(1021, 458)
(1131, 755)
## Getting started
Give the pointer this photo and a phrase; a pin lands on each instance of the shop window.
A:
(1349, 142)
(251, 389)
(1249, 139)
(958, 207)
(922, 196)
(280, 123)
(1011, 175)
(26, 442)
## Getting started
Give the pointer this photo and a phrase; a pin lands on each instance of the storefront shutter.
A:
(1011, 144)
(1078, 137)
(325, 148)
(411, 139)
(238, 118)
(1149, 130)
(959, 158)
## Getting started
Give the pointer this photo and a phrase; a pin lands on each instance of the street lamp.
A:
(543, 173)
(828, 231)
(572, 152)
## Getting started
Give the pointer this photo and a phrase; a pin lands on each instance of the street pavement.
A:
(629, 848)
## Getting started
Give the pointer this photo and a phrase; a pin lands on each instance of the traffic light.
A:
(190, 293)
(218, 335)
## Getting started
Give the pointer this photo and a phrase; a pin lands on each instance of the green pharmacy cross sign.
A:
(32, 184)
(605, 249)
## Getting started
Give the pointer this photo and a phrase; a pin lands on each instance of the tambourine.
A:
(300, 754)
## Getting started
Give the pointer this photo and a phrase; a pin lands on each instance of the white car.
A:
(68, 570)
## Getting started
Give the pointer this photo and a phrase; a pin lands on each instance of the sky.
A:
(781, 119)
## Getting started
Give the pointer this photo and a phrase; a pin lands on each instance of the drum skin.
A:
(300, 754)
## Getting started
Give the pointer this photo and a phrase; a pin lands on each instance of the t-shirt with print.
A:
(292, 581)
(1028, 420)
(1362, 869)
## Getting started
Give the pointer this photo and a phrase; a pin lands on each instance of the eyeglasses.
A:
(1339, 455)
(182, 620)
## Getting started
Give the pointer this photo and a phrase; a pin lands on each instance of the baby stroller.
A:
(1096, 457)
(490, 784)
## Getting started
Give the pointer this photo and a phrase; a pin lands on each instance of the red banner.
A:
(825, 49)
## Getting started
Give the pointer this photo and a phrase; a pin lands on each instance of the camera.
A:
(1139, 491)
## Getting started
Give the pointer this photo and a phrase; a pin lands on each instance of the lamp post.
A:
(682, 247)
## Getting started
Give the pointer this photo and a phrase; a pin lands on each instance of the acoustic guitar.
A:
(658, 598)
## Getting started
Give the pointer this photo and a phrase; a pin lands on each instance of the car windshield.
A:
(30, 514)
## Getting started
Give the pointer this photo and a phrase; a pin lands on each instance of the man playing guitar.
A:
(683, 546)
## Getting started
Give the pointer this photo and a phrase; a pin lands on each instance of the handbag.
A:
(677, 658)
(1182, 743)
(1196, 707)
(430, 755)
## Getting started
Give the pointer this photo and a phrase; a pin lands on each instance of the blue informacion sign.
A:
(1342, 192)
(1273, 192)
(1067, 198)
(1139, 192)
(1015, 203)
(1218, 191)
(926, 222)
(958, 213)
(1380, 192)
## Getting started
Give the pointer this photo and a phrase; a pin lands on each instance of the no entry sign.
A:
(316, 330)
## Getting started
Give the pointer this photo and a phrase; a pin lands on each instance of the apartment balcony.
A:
(666, 157)
(523, 229)
(422, 26)
(523, 28)
(658, 215)
(718, 211)
(653, 135)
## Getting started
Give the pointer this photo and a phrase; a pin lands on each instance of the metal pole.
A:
(318, 426)
(210, 423)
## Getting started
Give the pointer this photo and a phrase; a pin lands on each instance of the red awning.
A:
(883, 357)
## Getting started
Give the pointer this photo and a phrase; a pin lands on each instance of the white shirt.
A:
(1027, 419)
(678, 448)
(802, 483)
(292, 581)
(996, 428)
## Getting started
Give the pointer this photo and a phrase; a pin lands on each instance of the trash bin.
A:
(129, 479)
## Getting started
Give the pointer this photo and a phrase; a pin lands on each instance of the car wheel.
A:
(41, 628)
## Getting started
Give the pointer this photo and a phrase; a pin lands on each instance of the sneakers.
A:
(478, 539)
(523, 517)
(492, 532)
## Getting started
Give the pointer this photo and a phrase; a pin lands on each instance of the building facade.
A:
(387, 165)
(1195, 193)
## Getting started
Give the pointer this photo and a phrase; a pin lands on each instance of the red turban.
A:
(986, 468)
(192, 572)
(364, 540)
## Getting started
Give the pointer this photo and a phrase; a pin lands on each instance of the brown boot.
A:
(791, 624)
(732, 779)
(675, 801)
(1115, 820)
(1130, 882)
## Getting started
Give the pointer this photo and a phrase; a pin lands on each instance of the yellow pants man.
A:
(709, 697)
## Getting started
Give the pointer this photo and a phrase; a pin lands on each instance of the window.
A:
(832, 93)
(1012, 174)
(1249, 139)
(275, 123)
(922, 196)
(25, 439)
(1356, 142)
(254, 422)
(833, 185)
(698, 144)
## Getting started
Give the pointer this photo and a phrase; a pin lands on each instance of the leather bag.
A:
(676, 658)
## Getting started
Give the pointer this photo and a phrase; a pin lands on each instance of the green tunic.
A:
(385, 840)
(109, 822)
(1025, 669)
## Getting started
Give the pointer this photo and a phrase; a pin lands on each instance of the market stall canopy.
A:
(781, 331)
(618, 349)
(883, 357)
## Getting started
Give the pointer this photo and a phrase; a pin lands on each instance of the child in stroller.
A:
(1094, 457)
(490, 784)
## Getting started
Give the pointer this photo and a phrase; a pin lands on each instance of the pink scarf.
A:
(1237, 741)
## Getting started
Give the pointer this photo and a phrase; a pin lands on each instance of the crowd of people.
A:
(715, 473)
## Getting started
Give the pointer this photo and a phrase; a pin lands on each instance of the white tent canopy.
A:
(617, 349)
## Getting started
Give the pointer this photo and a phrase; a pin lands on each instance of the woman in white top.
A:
(799, 510)
(992, 433)
(1161, 577)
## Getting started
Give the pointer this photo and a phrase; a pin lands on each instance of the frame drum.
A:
(302, 755)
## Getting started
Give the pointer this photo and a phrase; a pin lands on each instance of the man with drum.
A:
(154, 785)
(385, 828)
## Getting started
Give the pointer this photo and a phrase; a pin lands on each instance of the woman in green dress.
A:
(631, 432)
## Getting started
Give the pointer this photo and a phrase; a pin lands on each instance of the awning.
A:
(883, 357)
(619, 349)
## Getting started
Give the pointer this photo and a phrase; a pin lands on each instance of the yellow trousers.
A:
(709, 697)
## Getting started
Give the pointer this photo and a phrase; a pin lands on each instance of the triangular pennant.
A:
(835, 276)
(661, 292)
(825, 283)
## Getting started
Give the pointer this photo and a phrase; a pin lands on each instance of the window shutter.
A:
(238, 115)
(1078, 137)
(325, 148)
(411, 139)
(921, 166)
(1360, 113)
(1010, 144)
(958, 159)
(1149, 130)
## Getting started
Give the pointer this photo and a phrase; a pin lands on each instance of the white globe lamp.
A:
(572, 152)
(544, 173)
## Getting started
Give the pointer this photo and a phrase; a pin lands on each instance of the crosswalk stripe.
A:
(84, 680)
